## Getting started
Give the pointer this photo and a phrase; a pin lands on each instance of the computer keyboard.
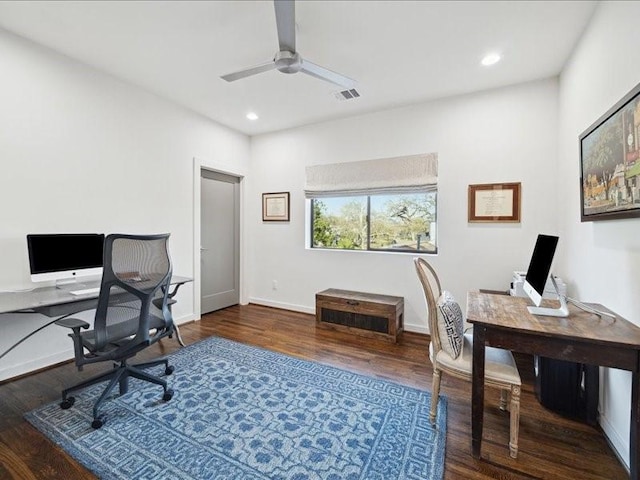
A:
(85, 291)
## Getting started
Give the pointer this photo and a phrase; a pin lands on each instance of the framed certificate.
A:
(275, 207)
(494, 202)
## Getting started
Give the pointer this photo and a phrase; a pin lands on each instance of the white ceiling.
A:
(400, 52)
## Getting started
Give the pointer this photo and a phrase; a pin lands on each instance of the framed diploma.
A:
(494, 202)
(275, 207)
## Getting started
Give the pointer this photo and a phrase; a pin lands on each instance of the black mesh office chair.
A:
(132, 314)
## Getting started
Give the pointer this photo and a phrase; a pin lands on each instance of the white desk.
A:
(56, 302)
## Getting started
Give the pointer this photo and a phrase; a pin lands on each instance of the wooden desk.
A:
(503, 321)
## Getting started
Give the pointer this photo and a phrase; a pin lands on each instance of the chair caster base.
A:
(67, 403)
(168, 395)
(97, 423)
(169, 370)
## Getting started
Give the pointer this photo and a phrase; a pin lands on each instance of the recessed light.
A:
(252, 116)
(490, 59)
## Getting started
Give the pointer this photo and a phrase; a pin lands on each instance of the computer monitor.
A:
(64, 256)
(537, 275)
(539, 267)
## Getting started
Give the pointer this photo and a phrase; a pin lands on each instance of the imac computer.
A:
(537, 275)
(64, 256)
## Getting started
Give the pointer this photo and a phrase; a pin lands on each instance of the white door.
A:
(219, 241)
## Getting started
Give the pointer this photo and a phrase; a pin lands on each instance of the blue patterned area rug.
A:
(240, 413)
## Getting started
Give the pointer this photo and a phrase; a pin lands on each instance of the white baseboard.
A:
(312, 311)
(618, 443)
(416, 329)
(283, 305)
(36, 364)
(186, 319)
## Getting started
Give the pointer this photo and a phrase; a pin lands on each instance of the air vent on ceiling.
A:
(347, 94)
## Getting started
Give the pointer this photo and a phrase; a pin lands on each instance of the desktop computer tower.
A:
(568, 388)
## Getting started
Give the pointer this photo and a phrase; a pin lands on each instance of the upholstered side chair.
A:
(451, 351)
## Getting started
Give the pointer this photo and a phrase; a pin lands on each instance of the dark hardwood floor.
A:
(550, 446)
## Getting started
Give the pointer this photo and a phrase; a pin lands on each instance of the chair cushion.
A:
(119, 332)
(499, 364)
(450, 324)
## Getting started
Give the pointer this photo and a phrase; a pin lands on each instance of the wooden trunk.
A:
(366, 314)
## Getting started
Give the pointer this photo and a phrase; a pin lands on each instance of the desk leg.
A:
(180, 341)
(477, 390)
(172, 294)
(634, 447)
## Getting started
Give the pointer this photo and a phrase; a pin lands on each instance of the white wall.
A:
(506, 135)
(84, 152)
(600, 260)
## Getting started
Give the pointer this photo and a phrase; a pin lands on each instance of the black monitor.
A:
(539, 272)
(540, 267)
(64, 256)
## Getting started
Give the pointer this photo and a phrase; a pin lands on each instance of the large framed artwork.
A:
(610, 163)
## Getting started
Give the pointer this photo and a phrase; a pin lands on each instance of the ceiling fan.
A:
(287, 59)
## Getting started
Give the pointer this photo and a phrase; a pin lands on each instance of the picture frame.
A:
(494, 202)
(275, 207)
(610, 163)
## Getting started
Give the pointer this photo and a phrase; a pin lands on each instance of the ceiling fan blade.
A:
(326, 74)
(286, 24)
(265, 67)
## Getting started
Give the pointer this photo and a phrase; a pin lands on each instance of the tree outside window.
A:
(392, 222)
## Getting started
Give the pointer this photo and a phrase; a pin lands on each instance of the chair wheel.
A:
(67, 403)
(97, 423)
(168, 395)
(169, 370)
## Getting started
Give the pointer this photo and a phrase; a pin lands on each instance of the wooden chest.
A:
(367, 314)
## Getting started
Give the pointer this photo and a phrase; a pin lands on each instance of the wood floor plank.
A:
(550, 446)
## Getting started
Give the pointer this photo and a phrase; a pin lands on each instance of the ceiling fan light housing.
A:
(288, 62)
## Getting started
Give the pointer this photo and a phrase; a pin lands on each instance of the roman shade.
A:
(410, 174)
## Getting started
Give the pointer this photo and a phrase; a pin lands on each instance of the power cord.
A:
(589, 309)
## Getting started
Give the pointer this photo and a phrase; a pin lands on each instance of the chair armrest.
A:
(158, 302)
(72, 323)
(174, 291)
(75, 324)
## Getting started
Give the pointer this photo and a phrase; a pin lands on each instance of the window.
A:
(385, 222)
(385, 204)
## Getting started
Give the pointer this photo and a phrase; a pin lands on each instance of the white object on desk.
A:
(85, 291)
(517, 287)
